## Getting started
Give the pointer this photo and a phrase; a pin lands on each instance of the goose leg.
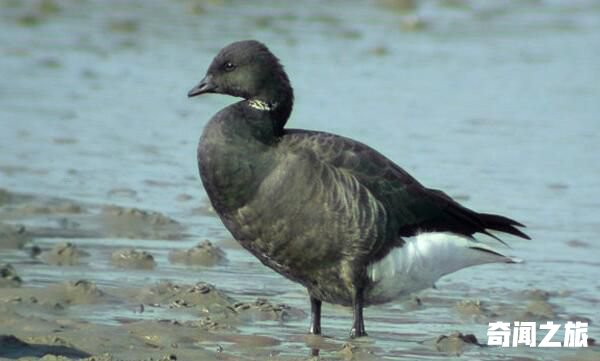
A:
(315, 316)
(358, 324)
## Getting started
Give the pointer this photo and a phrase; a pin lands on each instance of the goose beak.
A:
(206, 85)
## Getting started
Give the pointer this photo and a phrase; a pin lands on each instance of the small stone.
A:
(455, 343)
(63, 254)
(131, 258)
(9, 277)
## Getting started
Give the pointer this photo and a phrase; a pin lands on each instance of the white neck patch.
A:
(261, 105)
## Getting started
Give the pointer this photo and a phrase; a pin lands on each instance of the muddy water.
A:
(496, 103)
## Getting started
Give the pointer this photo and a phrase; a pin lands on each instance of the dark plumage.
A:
(323, 210)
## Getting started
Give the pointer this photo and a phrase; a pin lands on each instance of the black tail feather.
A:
(474, 220)
(447, 215)
(503, 224)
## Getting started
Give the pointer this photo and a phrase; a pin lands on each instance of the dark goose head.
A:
(247, 69)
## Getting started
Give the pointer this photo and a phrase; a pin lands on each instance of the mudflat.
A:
(494, 102)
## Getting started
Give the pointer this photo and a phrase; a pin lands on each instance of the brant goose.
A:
(326, 211)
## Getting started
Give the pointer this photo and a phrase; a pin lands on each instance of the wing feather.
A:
(410, 207)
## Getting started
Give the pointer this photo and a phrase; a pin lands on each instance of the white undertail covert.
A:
(423, 259)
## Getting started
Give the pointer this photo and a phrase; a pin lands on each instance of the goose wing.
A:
(409, 206)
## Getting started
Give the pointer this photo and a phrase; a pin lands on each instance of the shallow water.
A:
(497, 103)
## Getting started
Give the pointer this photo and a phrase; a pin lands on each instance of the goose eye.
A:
(229, 66)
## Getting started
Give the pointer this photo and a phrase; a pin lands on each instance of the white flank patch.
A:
(423, 260)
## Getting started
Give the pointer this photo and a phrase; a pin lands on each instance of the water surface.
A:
(496, 103)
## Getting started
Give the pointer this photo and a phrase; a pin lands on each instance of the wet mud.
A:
(203, 254)
(168, 320)
(103, 219)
